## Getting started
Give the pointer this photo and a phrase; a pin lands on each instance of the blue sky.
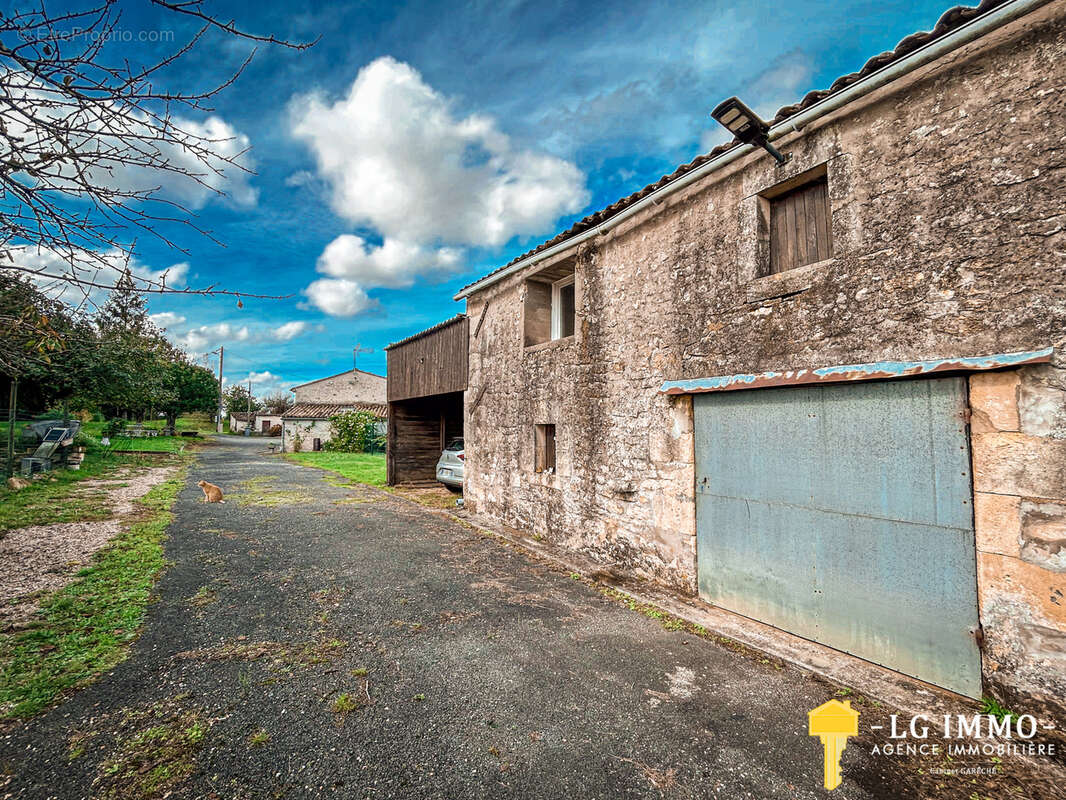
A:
(419, 145)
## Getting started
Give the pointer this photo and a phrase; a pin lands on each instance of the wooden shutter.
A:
(800, 226)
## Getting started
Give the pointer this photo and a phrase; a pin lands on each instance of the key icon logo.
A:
(833, 722)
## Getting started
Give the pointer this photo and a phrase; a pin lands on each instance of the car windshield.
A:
(455, 446)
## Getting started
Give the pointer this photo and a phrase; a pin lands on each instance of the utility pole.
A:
(9, 467)
(356, 351)
(221, 351)
(248, 422)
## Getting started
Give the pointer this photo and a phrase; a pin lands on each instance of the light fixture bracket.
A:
(747, 126)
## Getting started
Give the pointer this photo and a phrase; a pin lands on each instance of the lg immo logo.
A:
(833, 723)
(957, 735)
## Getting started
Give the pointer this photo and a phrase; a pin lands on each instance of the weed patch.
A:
(47, 501)
(151, 760)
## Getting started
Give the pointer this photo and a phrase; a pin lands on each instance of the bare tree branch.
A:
(95, 150)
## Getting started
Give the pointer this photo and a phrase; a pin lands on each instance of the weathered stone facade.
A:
(1018, 433)
(947, 222)
(353, 386)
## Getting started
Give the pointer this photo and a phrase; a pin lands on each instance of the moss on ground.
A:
(260, 491)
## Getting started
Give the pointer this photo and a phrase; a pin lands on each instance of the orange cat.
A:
(212, 493)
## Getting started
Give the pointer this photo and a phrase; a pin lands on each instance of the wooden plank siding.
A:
(433, 364)
(419, 429)
(799, 226)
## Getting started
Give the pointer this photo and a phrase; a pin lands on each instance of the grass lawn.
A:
(85, 628)
(152, 444)
(46, 501)
(366, 468)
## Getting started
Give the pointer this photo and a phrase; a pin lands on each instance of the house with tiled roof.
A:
(306, 424)
(823, 392)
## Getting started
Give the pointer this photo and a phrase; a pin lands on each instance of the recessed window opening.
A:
(550, 304)
(800, 223)
(545, 448)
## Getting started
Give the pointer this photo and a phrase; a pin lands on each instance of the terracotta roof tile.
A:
(949, 21)
(327, 410)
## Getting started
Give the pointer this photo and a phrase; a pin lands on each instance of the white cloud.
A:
(266, 376)
(338, 297)
(396, 158)
(208, 337)
(290, 330)
(394, 264)
(166, 319)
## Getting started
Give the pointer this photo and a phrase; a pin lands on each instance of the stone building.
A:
(829, 395)
(314, 403)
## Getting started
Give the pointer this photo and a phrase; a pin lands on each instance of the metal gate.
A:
(843, 513)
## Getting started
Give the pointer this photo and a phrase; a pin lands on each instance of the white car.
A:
(451, 464)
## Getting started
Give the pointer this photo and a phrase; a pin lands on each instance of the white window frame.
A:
(557, 305)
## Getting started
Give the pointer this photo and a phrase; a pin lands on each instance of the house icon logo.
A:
(833, 722)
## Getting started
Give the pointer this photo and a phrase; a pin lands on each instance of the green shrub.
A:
(352, 432)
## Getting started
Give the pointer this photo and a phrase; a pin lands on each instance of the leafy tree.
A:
(188, 387)
(132, 376)
(45, 344)
(236, 399)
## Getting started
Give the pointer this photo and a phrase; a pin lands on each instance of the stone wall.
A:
(352, 386)
(947, 222)
(307, 430)
(1018, 430)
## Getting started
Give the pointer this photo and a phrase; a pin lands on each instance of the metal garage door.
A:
(842, 513)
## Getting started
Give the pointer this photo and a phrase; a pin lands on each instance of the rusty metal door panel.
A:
(843, 513)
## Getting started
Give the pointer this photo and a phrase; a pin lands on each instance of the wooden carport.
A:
(427, 375)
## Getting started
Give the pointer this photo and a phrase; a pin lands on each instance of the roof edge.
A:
(328, 377)
(427, 331)
(878, 71)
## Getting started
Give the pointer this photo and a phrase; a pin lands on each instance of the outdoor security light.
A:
(745, 124)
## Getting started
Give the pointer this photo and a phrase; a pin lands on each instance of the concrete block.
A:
(998, 523)
(994, 401)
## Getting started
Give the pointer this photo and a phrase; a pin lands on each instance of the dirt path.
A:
(42, 558)
(316, 641)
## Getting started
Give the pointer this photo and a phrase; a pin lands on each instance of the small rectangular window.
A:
(545, 448)
(800, 229)
(563, 308)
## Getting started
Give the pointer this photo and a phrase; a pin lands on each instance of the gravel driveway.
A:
(315, 640)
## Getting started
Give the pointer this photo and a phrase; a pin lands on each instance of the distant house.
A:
(266, 420)
(238, 421)
(317, 401)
